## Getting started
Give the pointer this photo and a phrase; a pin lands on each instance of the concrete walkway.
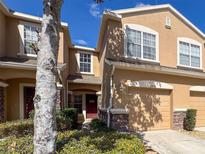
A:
(202, 129)
(173, 142)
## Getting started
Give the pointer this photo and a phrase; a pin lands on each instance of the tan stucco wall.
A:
(7, 73)
(13, 97)
(13, 39)
(180, 96)
(156, 21)
(2, 34)
(73, 64)
(181, 85)
(83, 87)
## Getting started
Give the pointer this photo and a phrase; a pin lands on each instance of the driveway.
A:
(173, 142)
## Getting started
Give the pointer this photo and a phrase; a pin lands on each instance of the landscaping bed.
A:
(17, 137)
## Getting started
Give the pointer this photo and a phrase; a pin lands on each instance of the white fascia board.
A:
(31, 17)
(197, 88)
(84, 48)
(2, 84)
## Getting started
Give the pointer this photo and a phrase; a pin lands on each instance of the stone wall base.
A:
(120, 122)
(178, 119)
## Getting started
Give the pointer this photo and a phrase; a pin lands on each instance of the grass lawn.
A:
(195, 133)
(15, 138)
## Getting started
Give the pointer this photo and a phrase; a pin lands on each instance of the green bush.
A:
(62, 122)
(16, 128)
(190, 119)
(77, 142)
(98, 125)
(72, 114)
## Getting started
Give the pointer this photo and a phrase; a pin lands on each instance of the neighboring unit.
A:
(147, 70)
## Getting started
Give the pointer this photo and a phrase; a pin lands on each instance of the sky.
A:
(84, 16)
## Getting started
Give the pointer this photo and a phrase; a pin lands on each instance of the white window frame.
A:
(78, 61)
(189, 41)
(21, 39)
(142, 29)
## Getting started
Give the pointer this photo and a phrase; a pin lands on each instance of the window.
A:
(85, 62)
(30, 37)
(78, 99)
(141, 43)
(189, 53)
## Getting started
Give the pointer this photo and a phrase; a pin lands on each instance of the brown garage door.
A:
(149, 109)
(197, 101)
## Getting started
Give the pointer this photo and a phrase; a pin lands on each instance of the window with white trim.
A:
(141, 44)
(30, 37)
(189, 54)
(85, 62)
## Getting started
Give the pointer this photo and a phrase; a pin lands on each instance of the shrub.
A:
(98, 125)
(62, 122)
(190, 120)
(72, 114)
(31, 114)
(16, 128)
(80, 143)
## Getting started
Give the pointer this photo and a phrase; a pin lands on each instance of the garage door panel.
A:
(197, 101)
(151, 111)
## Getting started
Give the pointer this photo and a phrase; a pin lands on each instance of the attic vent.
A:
(168, 23)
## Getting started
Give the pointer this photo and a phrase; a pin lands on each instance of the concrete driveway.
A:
(202, 129)
(173, 142)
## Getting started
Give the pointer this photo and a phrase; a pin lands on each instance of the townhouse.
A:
(146, 71)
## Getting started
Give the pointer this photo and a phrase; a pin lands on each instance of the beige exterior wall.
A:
(180, 96)
(156, 21)
(13, 97)
(2, 34)
(73, 62)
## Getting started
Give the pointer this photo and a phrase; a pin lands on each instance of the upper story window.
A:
(85, 62)
(142, 43)
(189, 53)
(29, 36)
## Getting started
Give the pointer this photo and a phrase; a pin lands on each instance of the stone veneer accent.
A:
(178, 119)
(1, 104)
(120, 122)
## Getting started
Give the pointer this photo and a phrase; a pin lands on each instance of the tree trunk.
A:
(46, 90)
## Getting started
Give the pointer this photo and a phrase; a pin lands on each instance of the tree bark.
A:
(46, 90)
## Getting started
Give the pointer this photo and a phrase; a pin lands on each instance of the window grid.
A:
(141, 44)
(78, 99)
(30, 37)
(85, 62)
(189, 54)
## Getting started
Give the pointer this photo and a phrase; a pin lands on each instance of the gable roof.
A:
(121, 12)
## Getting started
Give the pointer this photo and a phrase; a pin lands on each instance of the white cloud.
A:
(81, 42)
(95, 10)
(141, 5)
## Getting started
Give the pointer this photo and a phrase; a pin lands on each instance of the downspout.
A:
(111, 92)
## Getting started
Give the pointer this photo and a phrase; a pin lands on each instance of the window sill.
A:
(27, 55)
(189, 67)
(144, 60)
(86, 73)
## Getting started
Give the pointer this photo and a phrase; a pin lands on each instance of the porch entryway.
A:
(91, 106)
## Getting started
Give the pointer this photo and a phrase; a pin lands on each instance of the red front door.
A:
(91, 106)
(29, 93)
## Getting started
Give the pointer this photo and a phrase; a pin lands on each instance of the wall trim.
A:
(2, 84)
(180, 109)
(21, 98)
(149, 84)
(197, 88)
(119, 111)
